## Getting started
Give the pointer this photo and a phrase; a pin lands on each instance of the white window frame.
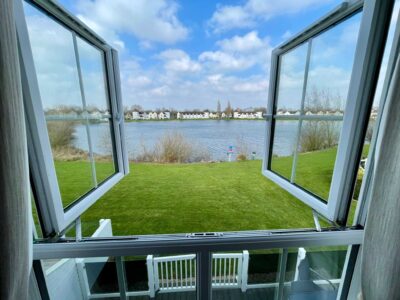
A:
(43, 176)
(229, 241)
(369, 52)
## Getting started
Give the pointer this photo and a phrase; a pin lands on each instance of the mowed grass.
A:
(181, 198)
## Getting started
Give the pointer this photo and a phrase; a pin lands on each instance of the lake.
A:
(214, 135)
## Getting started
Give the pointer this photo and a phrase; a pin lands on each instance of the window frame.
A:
(368, 55)
(43, 176)
(176, 243)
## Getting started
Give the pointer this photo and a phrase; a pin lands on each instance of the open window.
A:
(70, 84)
(321, 91)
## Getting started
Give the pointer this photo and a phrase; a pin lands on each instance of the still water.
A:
(216, 136)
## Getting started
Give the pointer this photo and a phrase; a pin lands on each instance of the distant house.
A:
(213, 115)
(164, 115)
(153, 115)
(136, 115)
(258, 114)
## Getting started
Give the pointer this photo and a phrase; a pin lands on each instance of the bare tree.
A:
(219, 108)
(322, 100)
(228, 110)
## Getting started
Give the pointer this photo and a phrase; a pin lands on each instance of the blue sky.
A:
(190, 54)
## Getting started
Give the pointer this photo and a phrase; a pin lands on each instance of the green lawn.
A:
(172, 198)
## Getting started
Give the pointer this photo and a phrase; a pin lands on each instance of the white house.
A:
(153, 115)
(258, 115)
(136, 115)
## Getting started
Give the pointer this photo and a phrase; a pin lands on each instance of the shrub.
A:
(241, 157)
(61, 134)
(318, 135)
(173, 147)
(241, 148)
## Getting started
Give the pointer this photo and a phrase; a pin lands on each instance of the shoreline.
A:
(184, 120)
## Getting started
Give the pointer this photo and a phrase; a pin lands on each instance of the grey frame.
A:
(369, 52)
(55, 218)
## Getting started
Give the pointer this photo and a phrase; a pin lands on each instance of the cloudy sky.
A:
(189, 54)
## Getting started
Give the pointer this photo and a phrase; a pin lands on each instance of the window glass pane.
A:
(91, 62)
(172, 275)
(314, 273)
(97, 105)
(71, 161)
(102, 145)
(331, 62)
(291, 79)
(57, 73)
(70, 278)
(316, 156)
(284, 145)
(305, 273)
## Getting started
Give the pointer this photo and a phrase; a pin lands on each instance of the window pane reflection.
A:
(317, 154)
(296, 273)
(284, 145)
(291, 79)
(331, 63)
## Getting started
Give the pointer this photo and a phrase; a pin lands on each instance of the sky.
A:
(191, 54)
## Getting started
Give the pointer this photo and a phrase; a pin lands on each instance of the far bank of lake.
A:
(214, 135)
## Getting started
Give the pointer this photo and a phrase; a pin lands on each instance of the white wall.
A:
(66, 280)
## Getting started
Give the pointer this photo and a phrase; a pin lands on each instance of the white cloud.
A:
(247, 43)
(150, 21)
(227, 17)
(252, 86)
(225, 61)
(238, 53)
(153, 88)
(176, 60)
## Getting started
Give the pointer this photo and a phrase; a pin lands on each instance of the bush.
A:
(61, 134)
(241, 148)
(241, 157)
(318, 135)
(173, 147)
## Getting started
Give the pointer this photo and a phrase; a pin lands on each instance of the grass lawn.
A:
(180, 198)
